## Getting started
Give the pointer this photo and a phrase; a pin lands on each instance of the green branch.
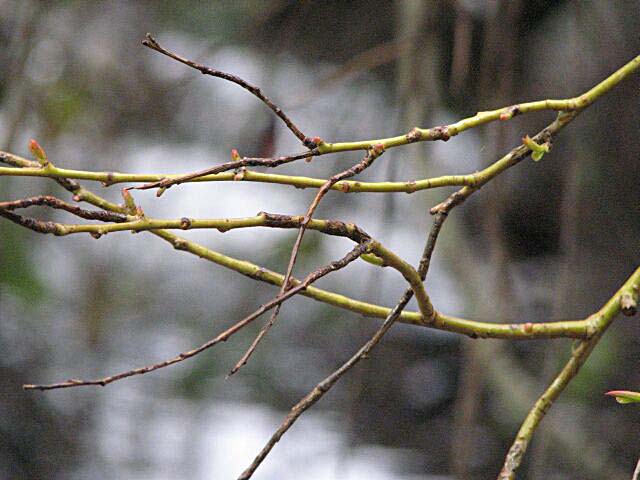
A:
(447, 131)
(574, 105)
(599, 322)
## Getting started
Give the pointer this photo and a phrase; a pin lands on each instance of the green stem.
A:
(599, 322)
(346, 186)
(446, 131)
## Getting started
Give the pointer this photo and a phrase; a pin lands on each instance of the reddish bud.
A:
(235, 156)
(129, 203)
(505, 116)
(38, 152)
(624, 396)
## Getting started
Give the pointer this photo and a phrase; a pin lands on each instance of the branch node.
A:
(312, 143)
(239, 174)
(414, 135)
(628, 304)
(440, 133)
(180, 244)
(185, 223)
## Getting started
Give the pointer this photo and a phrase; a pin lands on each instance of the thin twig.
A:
(471, 328)
(143, 223)
(222, 337)
(350, 172)
(600, 321)
(440, 212)
(153, 44)
(233, 165)
(56, 203)
(325, 385)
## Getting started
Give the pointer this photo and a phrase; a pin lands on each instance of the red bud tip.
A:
(505, 116)
(613, 393)
(38, 151)
(235, 156)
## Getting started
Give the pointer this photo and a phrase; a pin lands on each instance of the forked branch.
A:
(222, 337)
(129, 216)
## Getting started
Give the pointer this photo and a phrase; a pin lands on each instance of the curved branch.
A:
(153, 44)
(444, 132)
(600, 320)
(222, 337)
(359, 167)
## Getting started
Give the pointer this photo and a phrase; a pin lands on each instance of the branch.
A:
(143, 223)
(233, 165)
(445, 132)
(600, 321)
(325, 385)
(56, 203)
(574, 105)
(153, 44)
(222, 337)
(27, 168)
(366, 162)
(471, 328)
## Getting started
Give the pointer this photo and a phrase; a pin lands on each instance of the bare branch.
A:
(222, 337)
(233, 165)
(325, 385)
(600, 321)
(354, 170)
(153, 44)
(130, 217)
(56, 203)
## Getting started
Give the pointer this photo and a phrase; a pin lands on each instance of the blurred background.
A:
(546, 241)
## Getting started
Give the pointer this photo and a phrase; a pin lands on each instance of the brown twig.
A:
(222, 337)
(46, 227)
(243, 162)
(369, 158)
(440, 212)
(325, 385)
(53, 202)
(153, 44)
